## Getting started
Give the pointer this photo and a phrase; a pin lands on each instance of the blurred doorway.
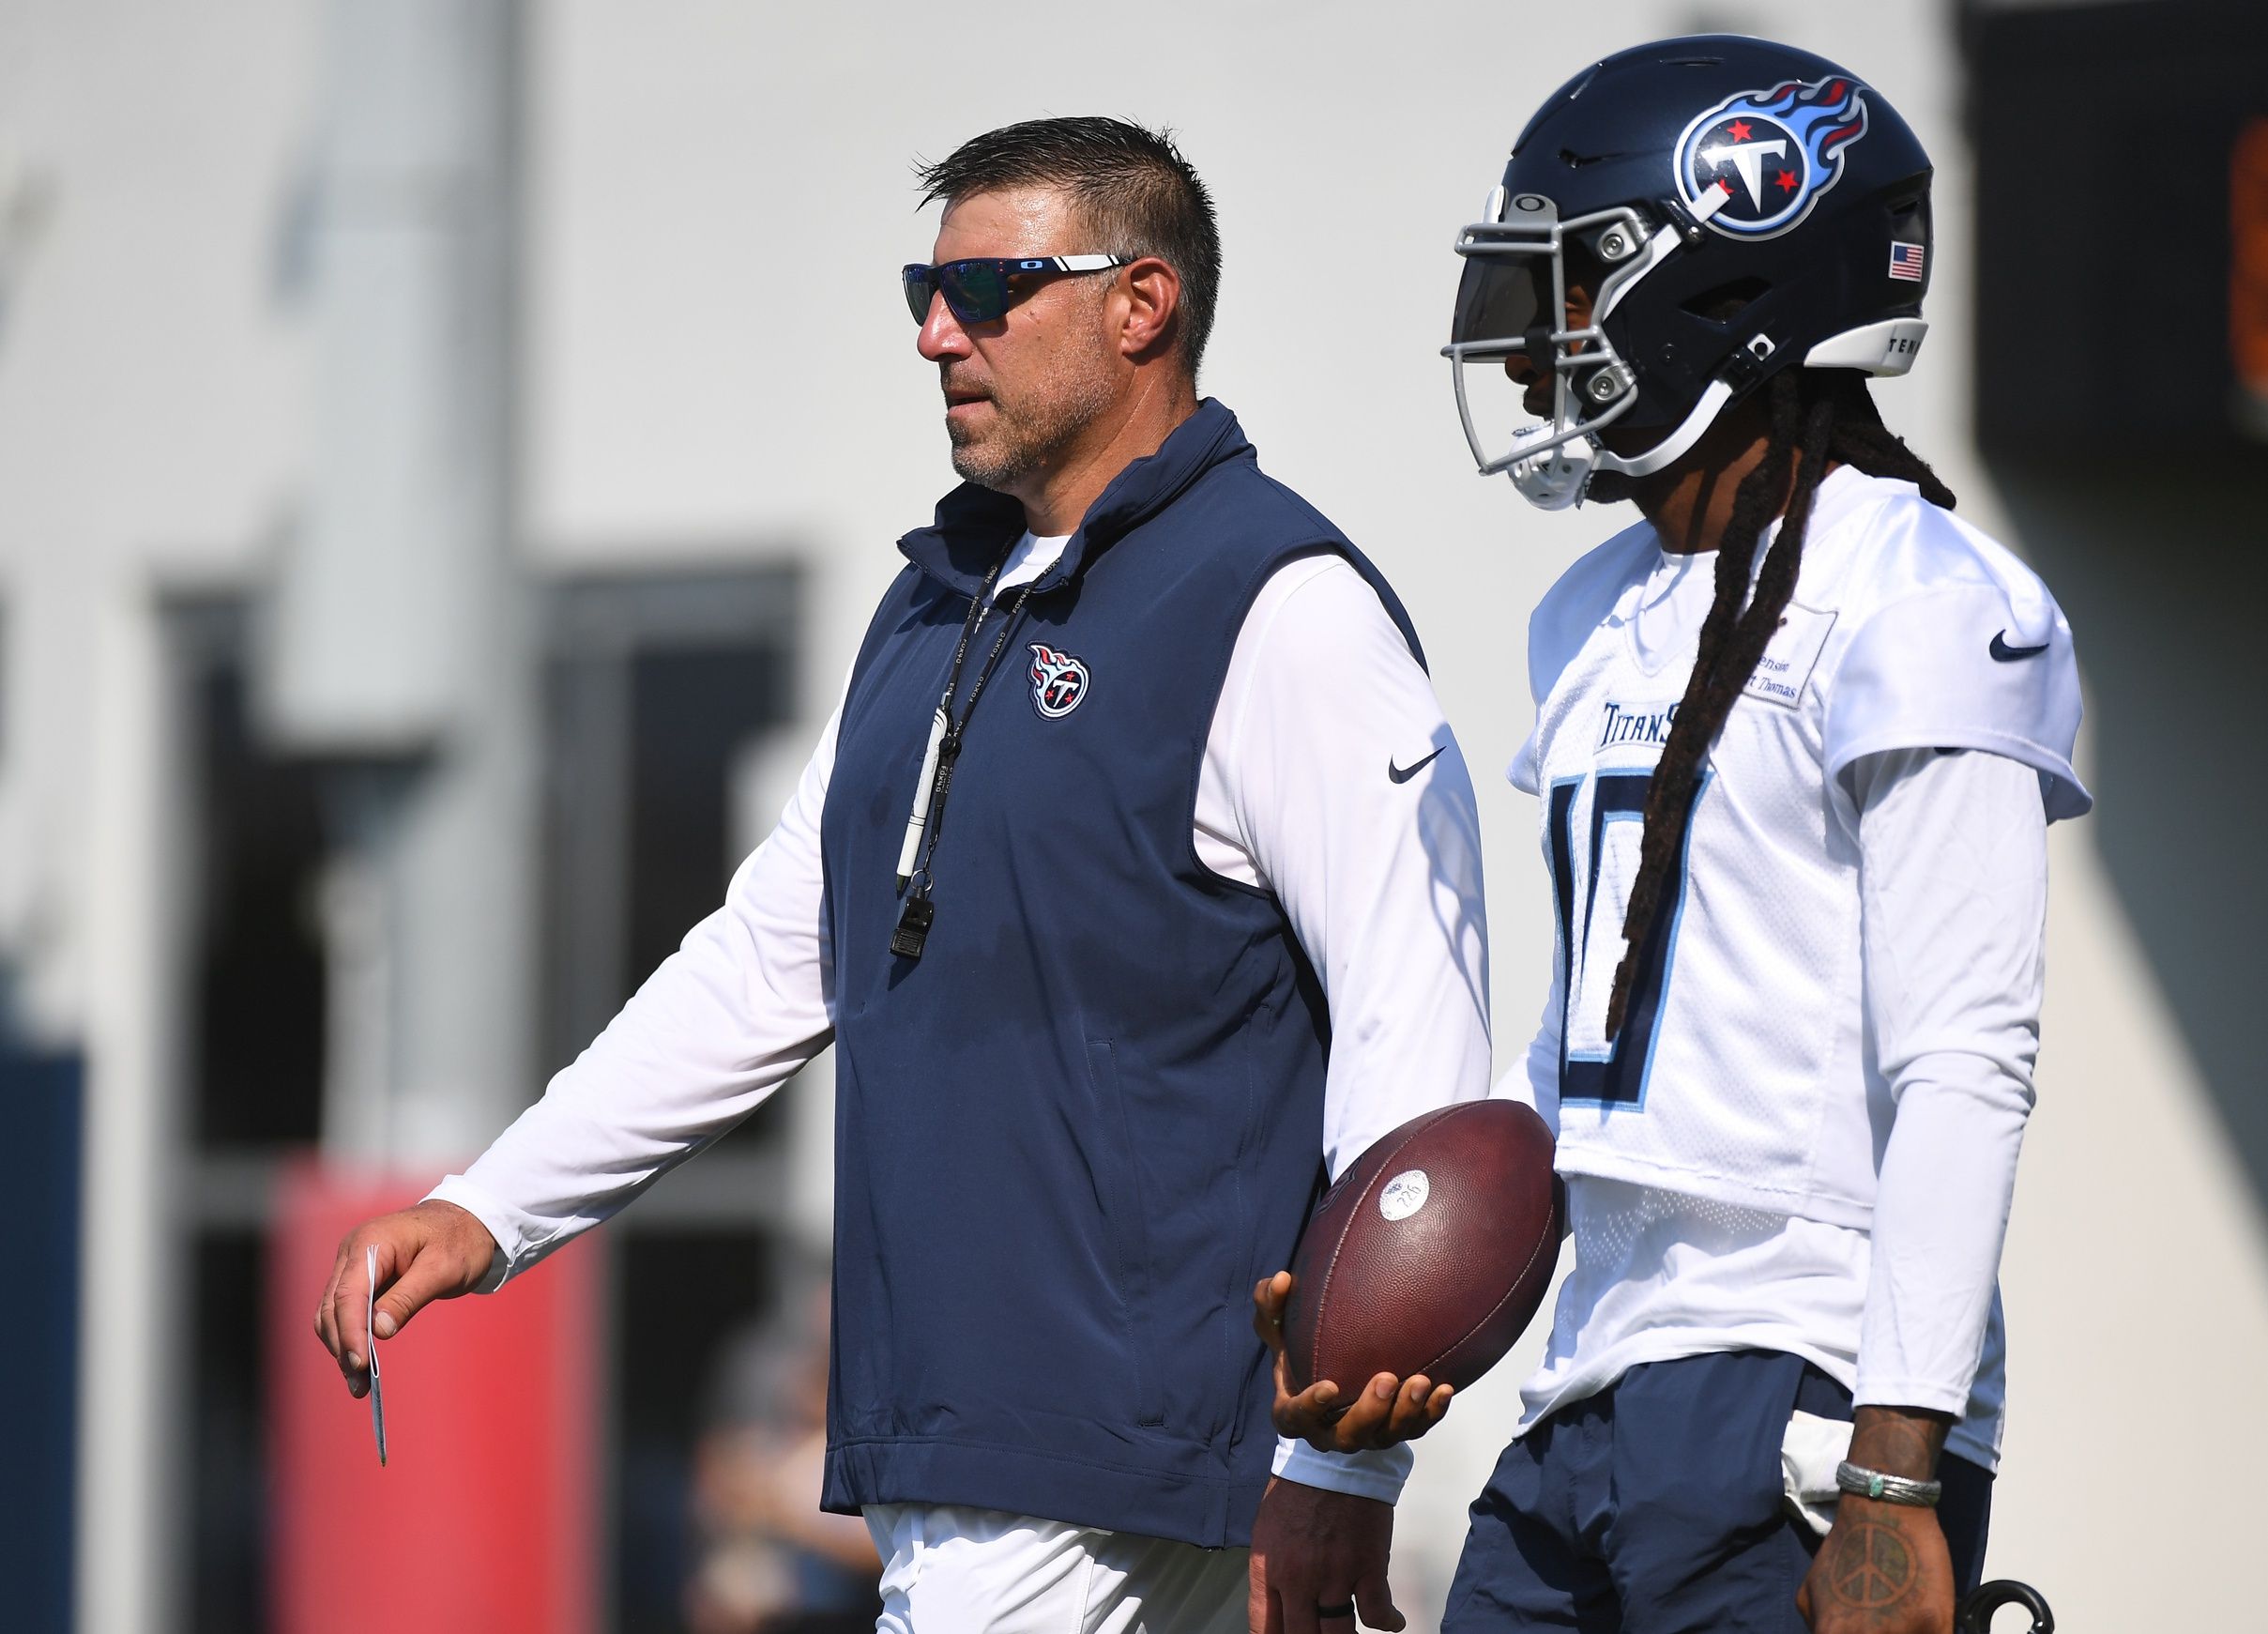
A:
(658, 687)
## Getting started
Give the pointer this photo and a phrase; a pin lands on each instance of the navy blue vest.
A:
(1075, 1130)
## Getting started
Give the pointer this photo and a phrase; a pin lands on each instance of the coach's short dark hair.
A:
(1128, 184)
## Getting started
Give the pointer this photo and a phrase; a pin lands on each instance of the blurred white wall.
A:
(152, 430)
(152, 393)
(716, 361)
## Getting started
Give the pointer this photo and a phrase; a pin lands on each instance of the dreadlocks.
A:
(1818, 416)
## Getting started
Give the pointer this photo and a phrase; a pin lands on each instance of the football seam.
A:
(1331, 1268)
(1500, 1303)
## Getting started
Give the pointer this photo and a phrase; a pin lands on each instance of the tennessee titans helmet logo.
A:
(1058, 681)
(1753, 166)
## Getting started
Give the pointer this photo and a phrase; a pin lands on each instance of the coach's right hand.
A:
(433, 1251)
(1388, 1411)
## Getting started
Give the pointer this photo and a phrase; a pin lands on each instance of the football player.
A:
(1800, 732)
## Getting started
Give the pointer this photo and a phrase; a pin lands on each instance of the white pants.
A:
(949, 1570)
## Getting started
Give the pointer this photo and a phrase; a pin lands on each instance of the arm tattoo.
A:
(1898, 1442)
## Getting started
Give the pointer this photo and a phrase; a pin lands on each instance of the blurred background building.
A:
(447, 452)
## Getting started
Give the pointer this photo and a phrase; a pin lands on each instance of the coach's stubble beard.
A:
(1032, 426)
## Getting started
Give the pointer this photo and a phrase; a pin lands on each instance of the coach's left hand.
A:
(1315, 1552)
(1388, 1410)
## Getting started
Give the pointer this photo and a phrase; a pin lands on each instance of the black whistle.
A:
(913, 928)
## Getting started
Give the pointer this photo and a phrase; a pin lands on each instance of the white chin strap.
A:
(1672, 446)
(1554, 479)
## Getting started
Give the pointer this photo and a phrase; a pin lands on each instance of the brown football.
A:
(1430, 1254)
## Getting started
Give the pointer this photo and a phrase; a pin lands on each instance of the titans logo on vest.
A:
(1058, 681)
(1753, 166)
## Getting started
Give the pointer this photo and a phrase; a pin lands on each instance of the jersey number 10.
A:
(1592, 1069)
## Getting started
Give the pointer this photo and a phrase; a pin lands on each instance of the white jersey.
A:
(1744, 1074)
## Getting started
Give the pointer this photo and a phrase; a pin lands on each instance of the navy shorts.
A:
(1655, 1507)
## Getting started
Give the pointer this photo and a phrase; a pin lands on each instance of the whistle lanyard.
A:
(927, 819)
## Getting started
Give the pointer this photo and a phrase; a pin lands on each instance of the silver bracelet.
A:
(1865, 1483)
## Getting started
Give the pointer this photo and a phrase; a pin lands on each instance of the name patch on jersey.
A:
(1790, 656)
(1635, 726)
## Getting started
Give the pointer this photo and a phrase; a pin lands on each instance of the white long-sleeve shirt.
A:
(1380, 880)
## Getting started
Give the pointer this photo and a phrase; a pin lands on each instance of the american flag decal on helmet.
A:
(1058, 681)
(1905, 261)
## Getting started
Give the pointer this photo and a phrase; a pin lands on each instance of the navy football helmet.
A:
(1732, 207)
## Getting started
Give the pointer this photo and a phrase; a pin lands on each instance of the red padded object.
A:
(488, 1516)
(1431, 1253)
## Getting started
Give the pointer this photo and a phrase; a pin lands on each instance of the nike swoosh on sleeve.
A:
(2007, 654)
(1403, 774)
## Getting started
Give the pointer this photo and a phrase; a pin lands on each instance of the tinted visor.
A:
(1501, 298)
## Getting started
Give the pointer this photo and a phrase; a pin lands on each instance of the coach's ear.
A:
(1146, 307)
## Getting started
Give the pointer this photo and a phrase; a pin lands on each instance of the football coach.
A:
(1137, 882)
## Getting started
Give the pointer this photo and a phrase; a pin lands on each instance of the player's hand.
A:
(1388, 1411)
(1315, 1552)
(1884, 1569)
(433, 1251)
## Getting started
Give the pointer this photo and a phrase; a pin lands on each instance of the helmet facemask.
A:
(1510, 259)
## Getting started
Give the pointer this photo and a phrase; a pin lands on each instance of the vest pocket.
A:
(1119, 1190)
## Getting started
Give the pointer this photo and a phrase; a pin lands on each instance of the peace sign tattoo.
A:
(1872, 1568)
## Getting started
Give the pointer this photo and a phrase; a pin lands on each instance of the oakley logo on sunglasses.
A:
(979, 291)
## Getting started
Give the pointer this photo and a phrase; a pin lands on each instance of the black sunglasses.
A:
(978, 291)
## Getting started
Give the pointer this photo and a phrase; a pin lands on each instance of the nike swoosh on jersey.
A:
(2007, 654)
(1403, 774)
